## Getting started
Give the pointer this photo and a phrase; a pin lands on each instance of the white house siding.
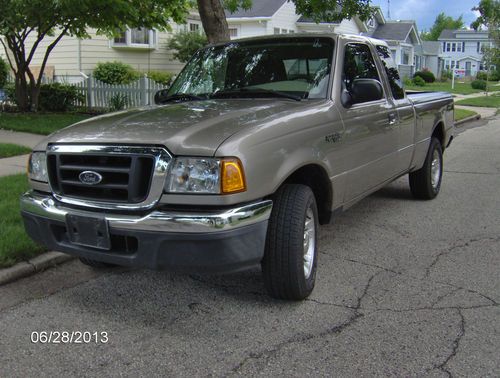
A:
(347, 27)
(285, 19)
(72, 56)
(250, 28)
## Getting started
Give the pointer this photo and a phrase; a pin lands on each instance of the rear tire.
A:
(95, 264)
(290, 258)
(426, 182)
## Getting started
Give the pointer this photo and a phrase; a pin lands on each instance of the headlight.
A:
(37, 167)
(205, 175)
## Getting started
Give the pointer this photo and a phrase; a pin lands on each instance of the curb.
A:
(35, 265)
(468, 119)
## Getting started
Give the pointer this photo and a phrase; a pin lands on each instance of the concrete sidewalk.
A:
(24, 139)
(473, 95)
(17, 164)
(483, 112)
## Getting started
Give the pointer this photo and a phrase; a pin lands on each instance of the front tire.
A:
(426, 182)
(290, 258)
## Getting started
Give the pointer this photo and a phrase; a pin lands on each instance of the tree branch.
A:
(48, 51)
(12, 67)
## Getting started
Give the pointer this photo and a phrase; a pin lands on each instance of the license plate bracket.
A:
(88, 231)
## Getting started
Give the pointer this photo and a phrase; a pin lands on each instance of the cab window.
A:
(358, 64)
(392, 72)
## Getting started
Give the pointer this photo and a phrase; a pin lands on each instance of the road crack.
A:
(297, 339)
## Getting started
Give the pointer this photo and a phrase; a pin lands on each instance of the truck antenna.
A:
(388, 9)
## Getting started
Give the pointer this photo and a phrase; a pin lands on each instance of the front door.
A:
(371, 128)
(467, 69)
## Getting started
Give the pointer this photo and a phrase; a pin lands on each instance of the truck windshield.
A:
(296, 68)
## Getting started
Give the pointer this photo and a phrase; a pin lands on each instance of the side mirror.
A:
(362, 90)
(160, 96)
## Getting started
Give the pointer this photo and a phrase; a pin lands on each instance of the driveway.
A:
(404, 288)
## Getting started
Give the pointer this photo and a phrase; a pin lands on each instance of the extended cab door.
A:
(404, 108)
(371, 128)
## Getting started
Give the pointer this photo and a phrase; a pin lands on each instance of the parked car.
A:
(256, 144)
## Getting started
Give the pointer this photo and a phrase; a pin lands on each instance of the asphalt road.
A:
(404, 288)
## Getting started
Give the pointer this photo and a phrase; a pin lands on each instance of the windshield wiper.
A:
(177, 97)
(247, 91)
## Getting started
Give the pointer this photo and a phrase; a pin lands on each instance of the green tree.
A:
(489, 16)
(34, 20)
(441, 23)
(215, 25)
(4, 72)
(185, 44)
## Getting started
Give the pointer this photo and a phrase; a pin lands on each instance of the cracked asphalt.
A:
(404, 288)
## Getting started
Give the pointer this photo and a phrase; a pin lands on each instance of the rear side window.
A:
(358, 64)
(392, 72)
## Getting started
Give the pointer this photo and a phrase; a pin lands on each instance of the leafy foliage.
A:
(4, 73)
(489, 16)
(426, 75)
(115, 73)
(417, 80)
(481, 75)
(42, 18)
(442, 22)
(161, 77)
(57, 97)
(185, 44)
(479, 84)
(118, 102)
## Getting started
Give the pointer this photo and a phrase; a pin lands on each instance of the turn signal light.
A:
(233, 177)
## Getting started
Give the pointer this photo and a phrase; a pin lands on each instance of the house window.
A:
(276, 30)
(136, 37)
(291, 31)
(448, 46)
(284, 31)
(233, 32)
(371, 23)
(459, 46)
(405, 58)
(194, 27)
(453, 47)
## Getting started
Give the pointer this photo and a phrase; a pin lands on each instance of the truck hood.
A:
(189, 128)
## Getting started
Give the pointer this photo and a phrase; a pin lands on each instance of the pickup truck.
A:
(255, 145)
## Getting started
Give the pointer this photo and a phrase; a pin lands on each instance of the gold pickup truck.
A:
(255, 145)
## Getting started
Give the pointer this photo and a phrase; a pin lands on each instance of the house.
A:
(268, 17)
(402, 38)
(427, 57)
(462, 49)
(142, 48)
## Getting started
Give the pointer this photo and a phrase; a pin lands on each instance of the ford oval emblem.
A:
(90, 177)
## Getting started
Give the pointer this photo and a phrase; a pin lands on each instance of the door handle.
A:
(392, 119)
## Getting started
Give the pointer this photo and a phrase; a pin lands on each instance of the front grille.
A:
(126, 177)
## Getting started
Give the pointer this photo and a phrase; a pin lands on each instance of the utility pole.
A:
(388, 9)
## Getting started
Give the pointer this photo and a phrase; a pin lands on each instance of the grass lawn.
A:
(483, 101)
(463, 113)
(15, 245)
(8, 150)
(39, 123)
(460, 88)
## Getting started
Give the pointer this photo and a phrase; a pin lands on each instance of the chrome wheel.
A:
(435, 170)
(309, 242)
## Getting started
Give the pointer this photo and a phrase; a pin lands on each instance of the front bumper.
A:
(214, 241)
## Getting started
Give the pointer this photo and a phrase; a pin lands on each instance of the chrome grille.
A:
(127, 174)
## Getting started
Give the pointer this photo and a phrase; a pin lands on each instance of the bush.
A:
(494, 76)
(57, 97)
(417, 80)
(4, 73)
(115, 73)
(481, 75)
(446, 74)
(479, 84)
(118, 102)
(426, 75)
(185, 44)
(161, 77)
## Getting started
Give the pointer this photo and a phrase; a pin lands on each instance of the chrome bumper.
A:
(159, 221)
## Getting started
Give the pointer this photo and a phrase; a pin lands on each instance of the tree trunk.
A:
(22, 94)
(214, 21)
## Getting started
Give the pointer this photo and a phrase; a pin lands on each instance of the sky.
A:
(425, 11)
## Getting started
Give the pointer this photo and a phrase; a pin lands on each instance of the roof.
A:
(393, 30)
(308, 20)
(260, 8)
(451, 34)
